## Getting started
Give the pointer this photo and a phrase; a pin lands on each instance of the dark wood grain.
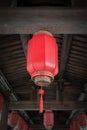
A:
(48, 105)
(54, 19)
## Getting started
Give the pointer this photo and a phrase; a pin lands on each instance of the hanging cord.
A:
(41, 92)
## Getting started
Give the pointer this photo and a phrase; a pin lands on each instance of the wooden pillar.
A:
(4, 116)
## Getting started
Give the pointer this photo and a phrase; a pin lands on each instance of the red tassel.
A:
(41, 92)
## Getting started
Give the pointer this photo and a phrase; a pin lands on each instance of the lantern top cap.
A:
(43, 32)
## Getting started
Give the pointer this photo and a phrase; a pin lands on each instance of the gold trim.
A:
(42, 80)
(43, 32)
(43, 77)
(42, 73)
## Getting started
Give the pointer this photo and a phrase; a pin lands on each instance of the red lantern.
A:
(42, 58)
(25, 127)
(30, 129)
(71, 126)
(48, 119)
(1, 102)
(13, 118)
(76, 125)
(21, 123)
(82, 118)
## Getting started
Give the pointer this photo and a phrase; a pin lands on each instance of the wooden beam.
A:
(5, 3)
(24, 89)
(45, 3)
(79, 3)
(56, 127)
(54, 19)
(67, 40)
(31, 89)
(53, 105)
(4, 116)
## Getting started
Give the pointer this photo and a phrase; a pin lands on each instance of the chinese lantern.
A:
(82, 118)
(1, 102)
(76, 125)
(13, 118)
(20, 124)
(42, 58)
(30, 129)
(71, 126)
(25, 127)
(48, 119)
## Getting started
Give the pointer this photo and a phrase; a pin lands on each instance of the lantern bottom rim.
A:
(48, 127)
(42, 78)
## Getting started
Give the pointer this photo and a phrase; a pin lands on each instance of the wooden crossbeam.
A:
(79, 3)
(23, 89)
(36, 127)
(54, 19)
(53, 105)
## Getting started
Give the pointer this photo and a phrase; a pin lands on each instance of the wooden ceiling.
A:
(69, 87)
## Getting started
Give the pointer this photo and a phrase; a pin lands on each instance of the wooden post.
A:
(4, 116)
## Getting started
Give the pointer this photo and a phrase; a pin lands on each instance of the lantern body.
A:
(20, 124)
(25, 127)
(48, 119)
(76, 125)
(71, 127)
(82, 118)
(1, 102)
(42, 58)
(13, 118)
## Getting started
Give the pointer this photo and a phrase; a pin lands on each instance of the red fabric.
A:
(48, 118)
(42, 54)
(21, 123)
(1, 102)
(25, 127)
(13, 119)
(71, 126)
(30, 129)
(82, 118)
(75, 125)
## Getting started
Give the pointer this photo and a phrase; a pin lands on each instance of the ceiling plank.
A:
(67, 40)
(24, 40)
(29, 20)
(53, 105)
